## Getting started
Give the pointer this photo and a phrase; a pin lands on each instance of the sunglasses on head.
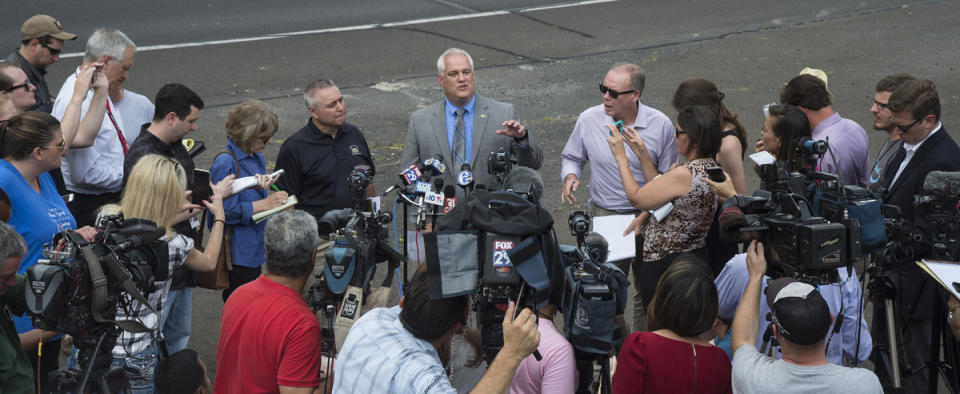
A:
(613, 93)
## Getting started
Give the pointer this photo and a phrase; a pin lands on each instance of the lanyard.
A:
(123, 141)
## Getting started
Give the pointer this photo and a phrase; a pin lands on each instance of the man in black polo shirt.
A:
(41, 41)
(318, 159)
(176, 110)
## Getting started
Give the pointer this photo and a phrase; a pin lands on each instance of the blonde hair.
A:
(154, 191)
(248, 120)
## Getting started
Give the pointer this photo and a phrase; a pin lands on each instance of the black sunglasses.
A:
(53, 52)
(25, 86)
(907, 127)
(677, 133)
(613, 93)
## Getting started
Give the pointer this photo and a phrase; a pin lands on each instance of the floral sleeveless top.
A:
(685, 228)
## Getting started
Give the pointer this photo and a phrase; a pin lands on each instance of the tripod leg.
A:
(893, 346)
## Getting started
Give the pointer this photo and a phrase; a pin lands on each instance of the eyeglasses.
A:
(907, 127)
(677, 133)
(53, 52)
(61, 145)
(613, 93)
(25, 86)
(881, 106)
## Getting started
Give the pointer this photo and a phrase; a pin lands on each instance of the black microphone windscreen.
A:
(449, 192)
(438, 183)
(597, 246)
(465, 167)
(942, 182)
(520, 175)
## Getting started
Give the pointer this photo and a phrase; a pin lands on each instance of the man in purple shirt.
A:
(620, 94)
(849, 146)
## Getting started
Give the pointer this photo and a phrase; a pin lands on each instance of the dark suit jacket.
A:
(427, 137)
(938, 153)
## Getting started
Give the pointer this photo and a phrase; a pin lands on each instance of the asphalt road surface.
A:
(546, 61)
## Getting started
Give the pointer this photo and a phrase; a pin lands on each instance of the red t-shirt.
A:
(650, 363)
(268, 337)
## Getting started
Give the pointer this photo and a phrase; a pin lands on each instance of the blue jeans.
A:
(176, 317)
(140, 369)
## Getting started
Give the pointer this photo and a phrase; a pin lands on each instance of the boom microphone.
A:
(521, 179)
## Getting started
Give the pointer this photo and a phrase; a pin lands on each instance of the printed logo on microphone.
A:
(423, 187)
(410, 175)
(465, 178)
(449, 204)
(433, 198)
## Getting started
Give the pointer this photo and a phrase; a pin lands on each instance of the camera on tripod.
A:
(78, 286)
(500, 163)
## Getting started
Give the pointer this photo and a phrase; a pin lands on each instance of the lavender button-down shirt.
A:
(589, 142)
(849, 146)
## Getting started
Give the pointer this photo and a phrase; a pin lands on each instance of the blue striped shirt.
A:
(380, 356)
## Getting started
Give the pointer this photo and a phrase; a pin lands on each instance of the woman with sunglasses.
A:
(733, 145)
(17, 94)
(784, 125)
(31, 144)
(684, 229)
(249, 125)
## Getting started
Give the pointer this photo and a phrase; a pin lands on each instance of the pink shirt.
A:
(556, 373)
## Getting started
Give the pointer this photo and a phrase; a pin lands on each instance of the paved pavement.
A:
(546, 62)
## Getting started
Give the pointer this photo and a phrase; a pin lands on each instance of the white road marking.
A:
(349, 28)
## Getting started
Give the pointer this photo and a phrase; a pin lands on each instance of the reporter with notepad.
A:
(249, 127)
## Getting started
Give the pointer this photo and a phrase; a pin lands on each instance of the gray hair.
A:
(441, 69)
(11, 243)
(313, 87)
(637, 77)
(110, 42)
(290, 239)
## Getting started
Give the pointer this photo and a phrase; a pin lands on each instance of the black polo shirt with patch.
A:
(316, 167)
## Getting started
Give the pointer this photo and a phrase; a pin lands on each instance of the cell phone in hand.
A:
(201, 189)
(716, 174)
(619, 126)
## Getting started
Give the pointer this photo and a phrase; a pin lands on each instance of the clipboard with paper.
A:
(946, 273)
(620, 247)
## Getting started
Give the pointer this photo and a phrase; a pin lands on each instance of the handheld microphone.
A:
(465, 178)
(449, 199)
(433, 166)
(432, 197)
(410, 175)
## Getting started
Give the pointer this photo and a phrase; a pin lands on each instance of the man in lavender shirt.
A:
(620, 94)
(849, 146)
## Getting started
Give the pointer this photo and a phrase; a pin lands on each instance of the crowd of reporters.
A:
(700, 304)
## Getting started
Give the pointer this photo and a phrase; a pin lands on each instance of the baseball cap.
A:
(816, 72)
(44, 25)
(799, 311)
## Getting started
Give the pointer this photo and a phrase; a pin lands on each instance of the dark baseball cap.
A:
(799, 311)
(44, 25)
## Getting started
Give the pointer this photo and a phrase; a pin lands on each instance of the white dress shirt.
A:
(96, 169)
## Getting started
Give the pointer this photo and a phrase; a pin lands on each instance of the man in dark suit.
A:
(465, 127)
(915, 112)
